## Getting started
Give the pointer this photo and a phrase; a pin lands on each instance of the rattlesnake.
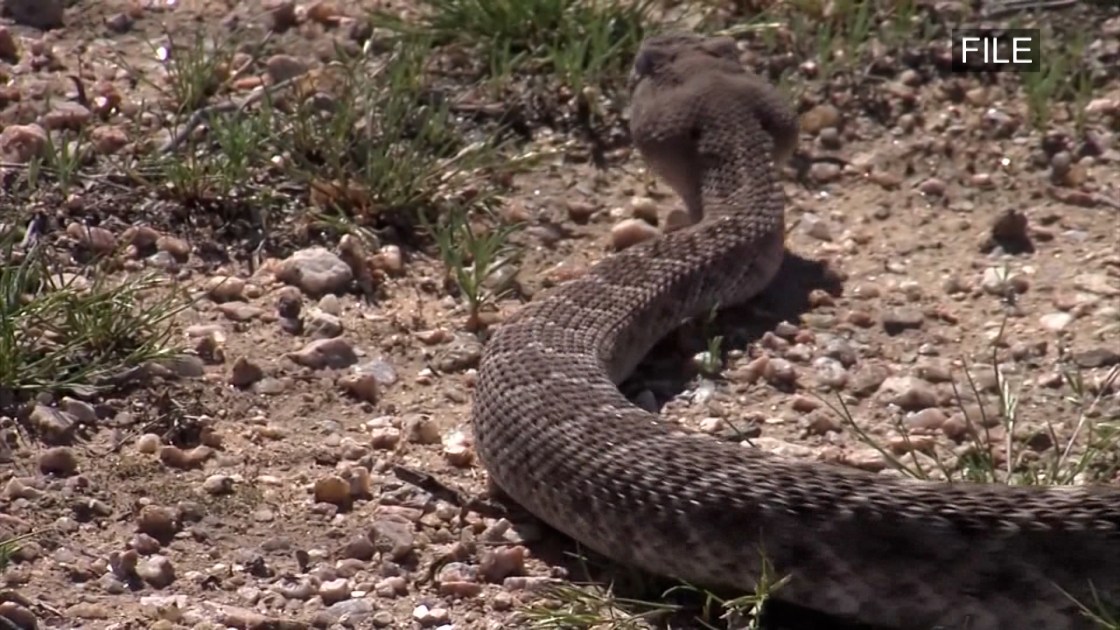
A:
(557, 436)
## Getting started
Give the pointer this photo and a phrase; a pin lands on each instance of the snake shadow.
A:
(789, 296)
(669, 369)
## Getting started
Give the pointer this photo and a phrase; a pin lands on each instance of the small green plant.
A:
(74, 333)
(196, 65)
(365, 136)
(586, 605)
(583, 42)
(381, 146)
(833, 35)
(1040, 89)
(858, 16)
(9, 547)
(1081, 89)
(220, 164)
(1090, 450)
(223, 165)
(61, 159)
(476, 260)
(711, 360)
(1060, 77)
(901, 22)
(572, 606)
(1099, 612)
(744, 611)
(1089, 453)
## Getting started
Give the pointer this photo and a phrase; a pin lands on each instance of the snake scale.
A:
(557, 436)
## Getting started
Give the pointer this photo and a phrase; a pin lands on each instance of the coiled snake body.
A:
(559, 438)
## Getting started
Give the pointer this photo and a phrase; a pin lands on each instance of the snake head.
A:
(658, 53)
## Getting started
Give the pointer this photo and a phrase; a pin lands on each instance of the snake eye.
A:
(643, 67)
(651, 58)
(644, 63)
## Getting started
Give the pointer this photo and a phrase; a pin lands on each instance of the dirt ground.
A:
(309, 462)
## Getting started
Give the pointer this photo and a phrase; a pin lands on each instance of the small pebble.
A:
(630, 232)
